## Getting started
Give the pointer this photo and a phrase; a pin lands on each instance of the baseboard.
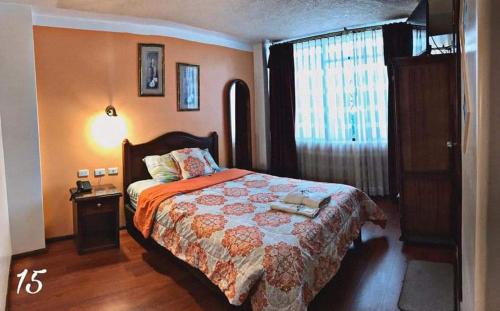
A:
(59, 238)
(68, 237)
(47, 241)
(30, 253)
(428, 241)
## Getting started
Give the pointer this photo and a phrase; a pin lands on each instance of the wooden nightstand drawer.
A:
(97, 206)
(96, 219)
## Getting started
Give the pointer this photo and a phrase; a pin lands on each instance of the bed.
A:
(227, 231)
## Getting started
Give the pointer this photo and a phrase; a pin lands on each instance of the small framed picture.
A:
(151, 70)
(188, 87)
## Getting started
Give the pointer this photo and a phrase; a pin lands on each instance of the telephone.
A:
(82, 186)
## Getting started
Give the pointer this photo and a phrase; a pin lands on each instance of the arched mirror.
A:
(240, 151)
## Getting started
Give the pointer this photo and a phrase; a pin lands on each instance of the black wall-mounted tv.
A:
(420, 21)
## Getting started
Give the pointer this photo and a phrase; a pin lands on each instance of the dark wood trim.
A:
(457, 11)
(398, 156)
(162, 46)
(178, 66)
(59, 238)
(127, 168)
(30, 253)
(428, 241)
(134, 168)
(227, 122)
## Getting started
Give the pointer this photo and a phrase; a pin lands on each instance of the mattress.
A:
(136, 188)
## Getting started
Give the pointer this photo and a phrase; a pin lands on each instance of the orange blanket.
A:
(150, 199)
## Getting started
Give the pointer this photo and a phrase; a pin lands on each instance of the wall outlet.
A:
(113, 171)
(98, 172)
(83, 173)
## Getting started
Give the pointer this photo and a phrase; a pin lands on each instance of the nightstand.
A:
(96, 218)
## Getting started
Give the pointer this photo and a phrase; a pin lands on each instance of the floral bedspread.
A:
(281, 260)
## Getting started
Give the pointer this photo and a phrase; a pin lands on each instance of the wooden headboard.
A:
(134, 168)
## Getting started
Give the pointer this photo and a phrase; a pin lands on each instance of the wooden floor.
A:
(132, 278)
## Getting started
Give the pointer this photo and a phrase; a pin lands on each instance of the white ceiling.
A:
(255, 20)
(249, 20)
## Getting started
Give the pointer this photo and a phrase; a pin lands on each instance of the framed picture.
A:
(151, 70)
(188, 87)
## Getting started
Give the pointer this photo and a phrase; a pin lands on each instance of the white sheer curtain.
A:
(419, 41)
(341, 110)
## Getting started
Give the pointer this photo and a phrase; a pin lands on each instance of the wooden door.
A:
(426, 114)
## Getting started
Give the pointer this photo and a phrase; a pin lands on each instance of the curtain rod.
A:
(339, 32)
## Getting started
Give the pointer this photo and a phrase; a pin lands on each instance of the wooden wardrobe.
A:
(427, 135)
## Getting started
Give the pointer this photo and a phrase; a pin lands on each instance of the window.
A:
(341, 89)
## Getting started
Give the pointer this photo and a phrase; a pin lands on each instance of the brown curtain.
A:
(282, 111)
(398, 42)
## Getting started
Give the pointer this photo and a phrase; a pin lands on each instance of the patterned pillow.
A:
(210, 160)
(162, 168)
(192, 162)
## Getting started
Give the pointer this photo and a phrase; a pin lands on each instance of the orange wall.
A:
(80, 72)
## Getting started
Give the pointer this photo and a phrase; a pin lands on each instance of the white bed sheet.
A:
(136, 188)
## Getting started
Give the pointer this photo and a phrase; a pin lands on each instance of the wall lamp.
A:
(111, 111)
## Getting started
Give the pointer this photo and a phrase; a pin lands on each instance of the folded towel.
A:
(308, 198)
(295, 209)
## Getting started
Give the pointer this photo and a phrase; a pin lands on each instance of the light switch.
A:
(83, 173)
(98, 172)
(113, 171)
